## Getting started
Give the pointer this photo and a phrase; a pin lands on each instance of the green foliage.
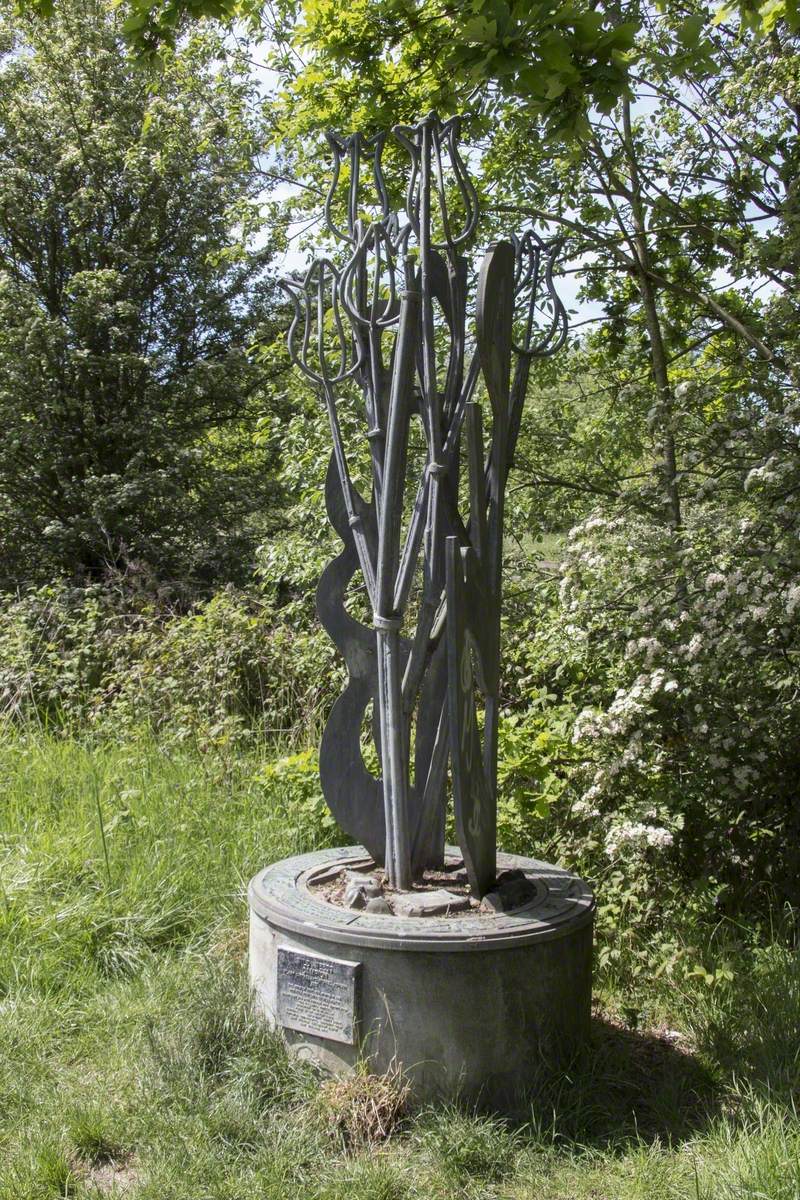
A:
(225, 671)
(751, 1016)
(557, 59)
(763, 17)
(560, 60)
(536, 759)
(690, 661)
(298, 775)
(130, 292)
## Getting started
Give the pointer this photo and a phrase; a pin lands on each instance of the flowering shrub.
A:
(690, 639)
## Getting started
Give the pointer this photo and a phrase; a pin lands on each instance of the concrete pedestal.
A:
(471, 1006)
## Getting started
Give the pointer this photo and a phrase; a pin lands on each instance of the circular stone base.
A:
(472, 1005)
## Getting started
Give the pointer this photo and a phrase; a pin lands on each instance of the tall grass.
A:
(129, 1062)
(111, 854)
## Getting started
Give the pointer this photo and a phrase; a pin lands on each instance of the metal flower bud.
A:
(539, 310)
(319, 341)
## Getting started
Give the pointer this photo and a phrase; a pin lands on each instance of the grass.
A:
(130, 1066)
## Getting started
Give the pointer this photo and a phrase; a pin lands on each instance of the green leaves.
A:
(129, 294)
(535, 758)
(479, 30)
(762, 18)
(555, 52)
(688, 33)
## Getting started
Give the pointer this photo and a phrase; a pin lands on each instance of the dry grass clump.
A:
(362, 1109)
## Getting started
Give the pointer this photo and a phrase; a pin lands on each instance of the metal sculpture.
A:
(387, 321)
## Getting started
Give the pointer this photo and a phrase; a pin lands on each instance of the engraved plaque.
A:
(317, 994)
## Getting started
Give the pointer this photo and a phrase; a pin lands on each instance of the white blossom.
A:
(637, 836)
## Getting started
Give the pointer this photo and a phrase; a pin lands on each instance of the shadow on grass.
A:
(624, 1085)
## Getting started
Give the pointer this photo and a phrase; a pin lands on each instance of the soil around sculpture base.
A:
(444, 892)
(332, 889)
(469, 1005)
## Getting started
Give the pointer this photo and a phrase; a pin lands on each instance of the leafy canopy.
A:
(562, 59)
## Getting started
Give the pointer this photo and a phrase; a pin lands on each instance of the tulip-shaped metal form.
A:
(396, 318)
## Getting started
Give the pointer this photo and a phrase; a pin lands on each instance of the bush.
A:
(650, 730)
(688, 734)
(101, 658)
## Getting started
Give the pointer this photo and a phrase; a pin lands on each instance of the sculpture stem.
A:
(394, 759)
(387, 619)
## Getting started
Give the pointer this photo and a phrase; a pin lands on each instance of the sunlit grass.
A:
(130, 1065)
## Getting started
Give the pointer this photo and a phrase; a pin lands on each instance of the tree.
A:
(566, 57)
(130, 292)
(677, 623)
(677, 197)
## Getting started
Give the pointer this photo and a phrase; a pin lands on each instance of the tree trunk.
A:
(658, 356)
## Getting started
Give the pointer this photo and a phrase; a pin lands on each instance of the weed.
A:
(363, 1109)
(469, 1146)
(54, 1175)
(92, 1135)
